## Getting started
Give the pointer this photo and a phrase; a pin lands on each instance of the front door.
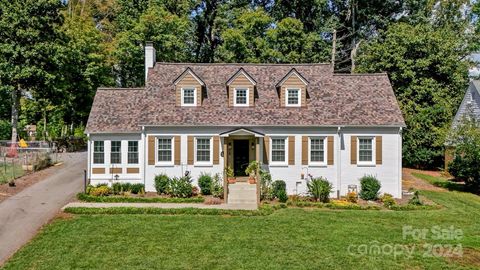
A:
(240, 157)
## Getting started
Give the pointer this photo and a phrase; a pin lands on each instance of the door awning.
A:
(242, 132)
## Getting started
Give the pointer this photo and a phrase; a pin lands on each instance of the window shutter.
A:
(378, 149)
(304, 150)
(177, 150)
(291, 150)
(353, 149)
(282, 97)
(190, 150)
(330, 150)
(216, 144)
(151, 150)
(266, 149)
(303, 96)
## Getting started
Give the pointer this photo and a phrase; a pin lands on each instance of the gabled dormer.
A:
(241, 89)
(292, 89)
(188, 89)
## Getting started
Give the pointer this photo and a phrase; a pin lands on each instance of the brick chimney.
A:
(150, 58)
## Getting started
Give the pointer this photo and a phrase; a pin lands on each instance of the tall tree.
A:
(29, 45)
(428, 70)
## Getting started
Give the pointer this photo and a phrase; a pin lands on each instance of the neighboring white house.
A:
(295, 119)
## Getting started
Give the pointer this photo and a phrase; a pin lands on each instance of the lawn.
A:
(440, 181)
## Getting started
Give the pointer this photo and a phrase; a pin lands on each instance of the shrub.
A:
(388, 200)
(5, 130)
(266, 192)
(369, 187)
(415, 200)
(162, 183)
(277, 187)
(137, 188)
(319, 189)
(352, 197)
(282, 196)
(217, 186)
(100, 191)
(205, 184)
(213, 201)
(181, 187)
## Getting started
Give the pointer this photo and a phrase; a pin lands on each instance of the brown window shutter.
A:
(177, 150)
(190, 150)
(216, 144)
(178, 96)
(304, 150)
(282, 96)
(330, 150)
(378, 149)
(251, 96)
(230, 96)
(353, 149)
(266, 149)
(291, 150)
(199, 96)
(151, 150)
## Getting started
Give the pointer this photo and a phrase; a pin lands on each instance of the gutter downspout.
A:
(339, 161)
(144, 146)
(400, 162)
(89, 158)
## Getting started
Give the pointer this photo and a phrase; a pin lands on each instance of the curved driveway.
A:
(22, 215)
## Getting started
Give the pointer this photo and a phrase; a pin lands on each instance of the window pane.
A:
(365, 150)
(241, 96)
(164, 149)
(116, 152)
(133, 152)
(98, 152)
(292, 97)
(203, 150)
(278, 150)
(317, 150)
(188, 96)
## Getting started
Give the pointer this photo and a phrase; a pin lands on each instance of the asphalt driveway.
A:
(24, 213)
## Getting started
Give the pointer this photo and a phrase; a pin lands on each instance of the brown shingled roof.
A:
(347, 100)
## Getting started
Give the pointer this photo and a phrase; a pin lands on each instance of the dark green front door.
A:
(240, 157)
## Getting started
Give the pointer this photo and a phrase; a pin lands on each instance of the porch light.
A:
(116, 177)
(253, 146)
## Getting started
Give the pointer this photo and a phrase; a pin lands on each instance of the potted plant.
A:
(251, 170)
(230, 177)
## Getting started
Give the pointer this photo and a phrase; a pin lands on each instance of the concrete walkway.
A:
(22, 215)
(164, 205)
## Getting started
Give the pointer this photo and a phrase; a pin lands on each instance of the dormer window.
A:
(241, 97)
(293, 97)
(189, 96)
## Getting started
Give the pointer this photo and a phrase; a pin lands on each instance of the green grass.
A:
(439, 181)
(291, 238)
(8, 171)
(117, 199)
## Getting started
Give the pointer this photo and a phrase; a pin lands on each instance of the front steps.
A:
(243, 194)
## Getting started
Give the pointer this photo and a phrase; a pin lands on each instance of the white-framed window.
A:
(366, 151)
(279, 150)
(165, 150)
(116, 152)
(241, 97)
(203, 150)
(317, 152)
(292, 97)
(98, 152)
(189, 96)
(132, 154)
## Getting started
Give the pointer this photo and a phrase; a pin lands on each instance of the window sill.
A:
(366, 165)
(203, 165)
(318, 165)
(278, 165)
(164, 164)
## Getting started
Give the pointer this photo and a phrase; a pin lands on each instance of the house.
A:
(470, 107)
(295, 119)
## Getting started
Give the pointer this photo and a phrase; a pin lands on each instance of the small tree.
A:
(205, 183)
(320, 189)
(466, 163)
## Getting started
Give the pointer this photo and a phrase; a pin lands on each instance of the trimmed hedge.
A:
(114, 199)
(263, 211)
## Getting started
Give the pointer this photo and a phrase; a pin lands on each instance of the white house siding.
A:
(341, 174)
(108, 177)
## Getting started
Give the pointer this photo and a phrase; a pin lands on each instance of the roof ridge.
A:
(243, 64)
(360, 74)
(119, 88)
